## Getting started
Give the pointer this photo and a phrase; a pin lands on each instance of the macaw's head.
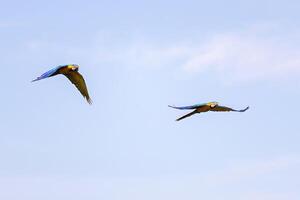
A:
(212, 104)
(73, 67)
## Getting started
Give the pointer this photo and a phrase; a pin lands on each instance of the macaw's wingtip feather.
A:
(179, 119)
(34, 80)
(246, 108)
(89, 101)
(243, 110)
(175, 107)
(172, 107)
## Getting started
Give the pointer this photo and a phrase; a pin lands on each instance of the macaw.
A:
(71, 72)
(205, 107)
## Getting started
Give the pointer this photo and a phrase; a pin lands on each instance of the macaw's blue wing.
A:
(48, 74)
(188, 107)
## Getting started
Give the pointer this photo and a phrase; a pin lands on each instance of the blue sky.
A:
(138, 57)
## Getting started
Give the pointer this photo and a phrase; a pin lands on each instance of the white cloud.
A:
(240, 56)
(249, 57)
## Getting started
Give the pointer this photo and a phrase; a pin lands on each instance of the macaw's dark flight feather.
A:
(187, 115)
(227, 109)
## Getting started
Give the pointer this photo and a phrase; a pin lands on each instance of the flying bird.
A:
(71, 72)
(205, 107)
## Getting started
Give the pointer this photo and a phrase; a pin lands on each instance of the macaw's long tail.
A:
(187, 115)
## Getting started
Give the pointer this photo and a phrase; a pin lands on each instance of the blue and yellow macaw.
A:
(71, 72)
(205, 107)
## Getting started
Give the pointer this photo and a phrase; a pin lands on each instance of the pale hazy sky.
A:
(138, 57)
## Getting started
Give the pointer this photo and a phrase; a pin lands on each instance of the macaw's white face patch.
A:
(74, 67)
(213, 104)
